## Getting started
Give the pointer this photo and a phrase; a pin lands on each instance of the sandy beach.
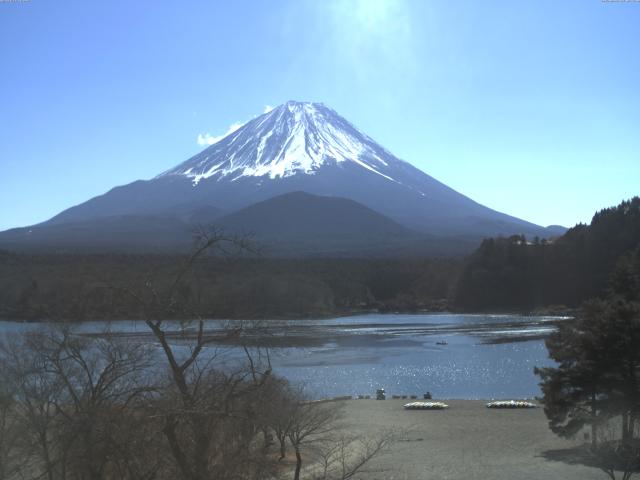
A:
(467, 441)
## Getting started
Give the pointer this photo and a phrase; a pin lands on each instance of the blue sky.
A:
(531, 108)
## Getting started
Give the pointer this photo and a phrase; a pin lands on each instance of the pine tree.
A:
(597, 376)
(574, 392)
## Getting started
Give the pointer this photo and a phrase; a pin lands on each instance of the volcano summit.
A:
(296, 147)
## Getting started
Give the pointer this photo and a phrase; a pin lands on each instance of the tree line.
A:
(80, 287)
(522, 274)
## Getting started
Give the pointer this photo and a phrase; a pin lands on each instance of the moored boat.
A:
(425, 406)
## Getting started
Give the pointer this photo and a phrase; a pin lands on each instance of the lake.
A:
(449, 355)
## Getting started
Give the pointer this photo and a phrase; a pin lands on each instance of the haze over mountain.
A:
(296, 147)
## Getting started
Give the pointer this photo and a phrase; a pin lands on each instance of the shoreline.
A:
(467, 440)
(315, 333)
(484, 401)
(568, 313)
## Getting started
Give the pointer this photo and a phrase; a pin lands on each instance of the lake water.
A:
(449, 355)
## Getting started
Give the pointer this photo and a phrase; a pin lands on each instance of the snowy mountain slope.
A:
(300, 147)
(294, 138)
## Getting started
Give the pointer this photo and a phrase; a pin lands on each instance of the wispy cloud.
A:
(205, 139)
(208, 139)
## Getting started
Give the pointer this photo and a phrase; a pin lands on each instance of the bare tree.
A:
(345, 456)
(281, 415)
(35, 394)
(314, 429)
(210, 414)
(75, 403)
(310, 422)
(9, 464)
(615, 455)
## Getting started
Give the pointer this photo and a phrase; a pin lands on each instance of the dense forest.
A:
(504, 274)
(516, 274)
(75, 287)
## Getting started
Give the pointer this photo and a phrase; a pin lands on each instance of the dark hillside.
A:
(511, 273)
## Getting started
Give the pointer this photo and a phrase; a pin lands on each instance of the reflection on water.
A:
(452, 356)
(464, 368)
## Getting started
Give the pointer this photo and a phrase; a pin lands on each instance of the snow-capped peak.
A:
(293, 138)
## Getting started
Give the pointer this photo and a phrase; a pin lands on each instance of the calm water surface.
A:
(452, 356)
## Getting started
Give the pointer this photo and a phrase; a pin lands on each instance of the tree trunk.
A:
(283, 447)
(179, 456)
(266, 440)
(296, 475)
(625, 428)
(200, 450)
(594, 431)
(46, 456)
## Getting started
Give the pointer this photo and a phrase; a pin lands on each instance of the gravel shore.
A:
(467, 441)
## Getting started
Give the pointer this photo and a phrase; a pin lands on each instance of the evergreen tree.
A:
(574, 392)
(597, 376)
(511, 274)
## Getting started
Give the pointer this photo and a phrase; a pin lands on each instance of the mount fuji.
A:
(296, 147)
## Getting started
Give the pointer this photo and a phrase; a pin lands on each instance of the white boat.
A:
(511, 404)
(425, 406)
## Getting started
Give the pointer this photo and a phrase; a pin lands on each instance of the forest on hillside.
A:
(505, 274)
(78, 287)
(516, 274)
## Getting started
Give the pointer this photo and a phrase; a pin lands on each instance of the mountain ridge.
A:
(295, 224)
(301, 147)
